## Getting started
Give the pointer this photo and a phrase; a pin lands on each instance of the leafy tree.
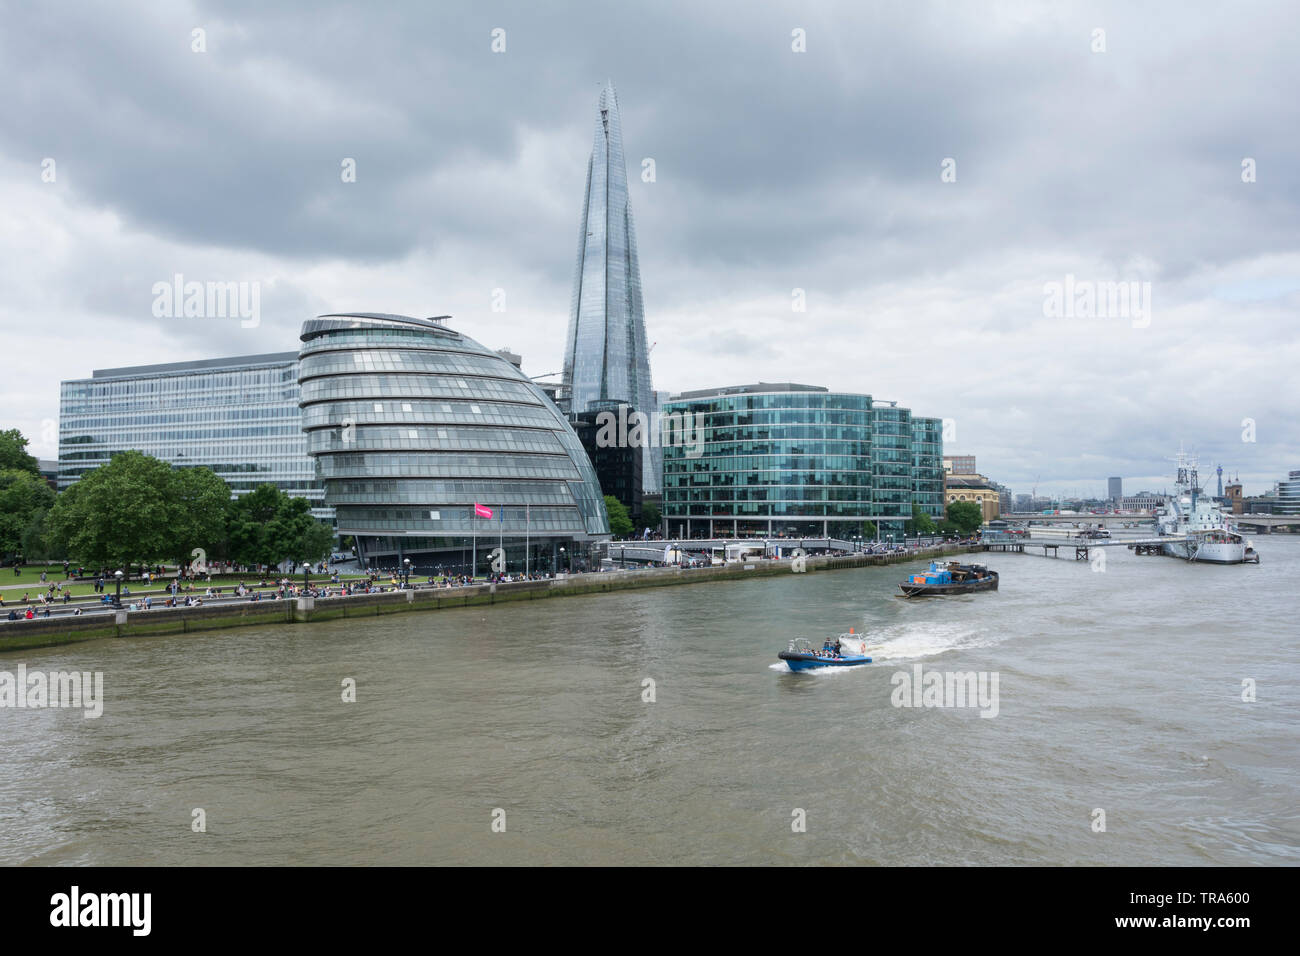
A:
(868, 530)
(650, 516)
(921, 522)
(200, 499)
(13, 453)
(966, 515)
(36, 542)
(247, 518)
(137, 509)
(24, 500)
(117, 514)
(268, 526)
(620, 525)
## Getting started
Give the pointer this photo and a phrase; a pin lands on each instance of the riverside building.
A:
(237, 416)
(606, 359)
(800, 460)
(419, 432)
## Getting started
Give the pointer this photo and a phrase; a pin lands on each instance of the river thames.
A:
(1119, 691)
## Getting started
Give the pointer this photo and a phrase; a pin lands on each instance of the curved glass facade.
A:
(411, 424)
(798, 460)
(789, 462)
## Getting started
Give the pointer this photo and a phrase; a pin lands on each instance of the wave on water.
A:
(908, 640)
(784, 668)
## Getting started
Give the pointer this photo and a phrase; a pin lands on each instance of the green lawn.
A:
(31, 575)
(12, 586)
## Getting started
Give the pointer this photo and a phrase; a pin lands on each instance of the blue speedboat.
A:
(802, 656)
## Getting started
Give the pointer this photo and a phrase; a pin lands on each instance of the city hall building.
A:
(237, 416)
(798, 460)
(418, 432)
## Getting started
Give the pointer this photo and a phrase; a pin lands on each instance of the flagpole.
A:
(527, 520)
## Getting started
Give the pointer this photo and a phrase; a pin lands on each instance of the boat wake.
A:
(906, 641)
(784, 668)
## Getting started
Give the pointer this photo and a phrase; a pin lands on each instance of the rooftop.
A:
(756, 388)
(137, 371)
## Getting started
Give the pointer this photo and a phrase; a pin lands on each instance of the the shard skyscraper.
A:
(605, 359)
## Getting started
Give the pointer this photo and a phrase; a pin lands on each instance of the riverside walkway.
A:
(235, 612)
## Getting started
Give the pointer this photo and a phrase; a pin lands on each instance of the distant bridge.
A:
(1260, 524)
(1267, 524)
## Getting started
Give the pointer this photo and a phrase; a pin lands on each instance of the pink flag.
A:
(481, 512)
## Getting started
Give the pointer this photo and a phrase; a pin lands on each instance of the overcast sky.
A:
(775, 170)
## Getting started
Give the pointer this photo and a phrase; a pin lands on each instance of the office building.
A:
(1143, 501)
(606, 358)
(927, 466)
(891, 463)
(978, 489)
(238, 416)
(618, 464)
(418, 432)
(1288, 494)
(787, 459)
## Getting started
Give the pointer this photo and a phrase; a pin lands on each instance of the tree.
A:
(13, 453)
(650, 516)
(137, 509)
(24, 500)
(868, 530)
(118, 513)
(966, 515)
(200, 500)
(247, 518)
(921, 522)
(620, 525)
(267, 526)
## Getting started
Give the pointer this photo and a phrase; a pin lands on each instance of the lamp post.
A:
(406, 563)
(117, 598)
(306, 577)
(564, 559)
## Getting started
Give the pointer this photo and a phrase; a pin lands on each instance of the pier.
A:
(1083, 546)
